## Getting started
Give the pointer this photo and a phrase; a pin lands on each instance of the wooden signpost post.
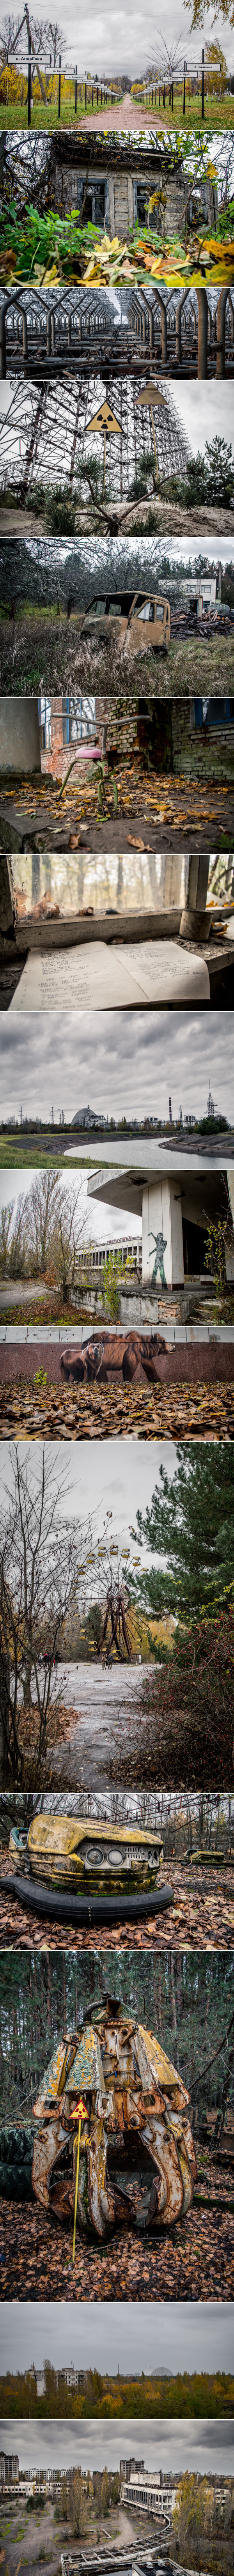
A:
(105, 420)
(151, 396)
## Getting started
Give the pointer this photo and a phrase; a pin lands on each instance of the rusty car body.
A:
(140, 619)
(113, 2111)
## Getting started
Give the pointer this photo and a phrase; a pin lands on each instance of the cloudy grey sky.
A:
(106, 1477)
(123, 1062)
(186, 2337)
(201, 2446)
(127, 43)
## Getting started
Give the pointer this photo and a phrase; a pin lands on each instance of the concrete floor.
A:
(105, 1703)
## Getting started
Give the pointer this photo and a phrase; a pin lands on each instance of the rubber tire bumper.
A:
(62, 1908)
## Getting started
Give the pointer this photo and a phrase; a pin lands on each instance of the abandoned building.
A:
(111, 182)
(166, 1184)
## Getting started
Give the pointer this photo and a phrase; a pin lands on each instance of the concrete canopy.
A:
(164, 1188)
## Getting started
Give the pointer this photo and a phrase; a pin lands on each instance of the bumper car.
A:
(82, 1869)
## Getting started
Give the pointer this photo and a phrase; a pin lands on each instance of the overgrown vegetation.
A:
(41, 248)
(188, 2394)
(33, 1612)
(209, 479)
(188, 1709)
(201, 2516)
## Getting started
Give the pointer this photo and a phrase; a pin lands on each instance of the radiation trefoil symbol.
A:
(104, 420)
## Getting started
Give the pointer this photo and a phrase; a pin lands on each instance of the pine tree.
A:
(189, 1524)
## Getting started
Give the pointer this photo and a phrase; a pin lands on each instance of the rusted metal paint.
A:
(102, 2209)
(55, 2078)
(127, 2089)
(152, 2061)
(86, 2074)
(68, 1851)
(162, 2147)
(48, 2147)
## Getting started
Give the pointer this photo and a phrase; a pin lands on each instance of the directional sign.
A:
(105, 420)
(151, 396)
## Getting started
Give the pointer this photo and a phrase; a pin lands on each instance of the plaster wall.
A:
(19, 736)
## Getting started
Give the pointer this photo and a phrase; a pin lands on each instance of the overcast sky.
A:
(186, 2337)
(200, 2446)
(123, 1062)
(125, 42)
(106, 1476)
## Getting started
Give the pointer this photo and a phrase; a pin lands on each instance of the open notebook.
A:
(100, 978)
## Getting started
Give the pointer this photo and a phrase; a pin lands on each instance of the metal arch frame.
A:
(139, 298)
(51, 308)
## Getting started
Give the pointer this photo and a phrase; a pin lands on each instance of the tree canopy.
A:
(189, 1526)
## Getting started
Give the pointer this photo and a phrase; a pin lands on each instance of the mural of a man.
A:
(160, 1241)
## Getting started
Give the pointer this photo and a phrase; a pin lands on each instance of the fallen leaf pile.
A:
(194, 2261)
(43, 249)
(106, 1412)
(202, 1918)
(176, 804)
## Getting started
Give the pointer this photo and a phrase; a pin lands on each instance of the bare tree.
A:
(38, 1572)
(12, 40)
(11, 29)
(57, 39)
(5, 1234)
(13, 1238)
(39, 35)
(46, 1200)
(65, 1244)
(169, 58)
(27, 163)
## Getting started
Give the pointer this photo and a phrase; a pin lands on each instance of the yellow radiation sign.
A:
(152, 397)
(104, 421)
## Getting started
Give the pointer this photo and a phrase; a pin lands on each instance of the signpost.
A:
(105, 421)
(152, 397)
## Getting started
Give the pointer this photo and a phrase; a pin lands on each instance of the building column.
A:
(221, 322)
(112, 226)
(162, 1238)
(193, 922)
(229, 1248)
(202, 341)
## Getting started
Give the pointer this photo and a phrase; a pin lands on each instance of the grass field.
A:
(15, 1157)
(40, 650)
(218, 112)
(14, 111)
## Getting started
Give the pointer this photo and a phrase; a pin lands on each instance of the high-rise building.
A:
(9, 2468)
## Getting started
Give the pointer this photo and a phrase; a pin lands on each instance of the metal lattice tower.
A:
(46, 430)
